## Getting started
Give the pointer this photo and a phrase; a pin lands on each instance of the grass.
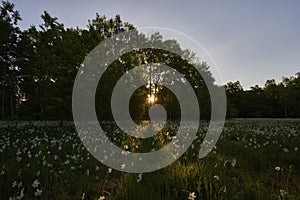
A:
(253, 159)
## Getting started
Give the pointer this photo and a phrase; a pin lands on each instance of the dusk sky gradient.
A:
(250, 41)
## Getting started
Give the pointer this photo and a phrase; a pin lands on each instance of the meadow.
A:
(253, 159)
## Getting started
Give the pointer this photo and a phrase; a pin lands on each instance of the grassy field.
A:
(253, 159)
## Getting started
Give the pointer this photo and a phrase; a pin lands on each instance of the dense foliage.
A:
(280, 100)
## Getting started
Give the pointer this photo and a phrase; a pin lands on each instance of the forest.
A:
(38, 67)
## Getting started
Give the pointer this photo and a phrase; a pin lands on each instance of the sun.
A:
(151, 99)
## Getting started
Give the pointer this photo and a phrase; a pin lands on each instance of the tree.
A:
(273, 108)
(9, 18)
(290, 95)
(234, 92)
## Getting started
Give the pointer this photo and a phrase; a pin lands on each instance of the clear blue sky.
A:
(250, 41)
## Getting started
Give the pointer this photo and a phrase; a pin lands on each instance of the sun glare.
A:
(151, 99)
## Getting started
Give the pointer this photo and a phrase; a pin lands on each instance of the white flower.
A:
(192, 196)
(109, 170)
(35, 183)
(139, 178)
(44, 163)
(14, 184)
(20, 184)
(233, 163)
(38, 192)
(216, 177)
(21, 194)
(2, 170)
(277, 168)
(282, 192)
(123, 166)
(101, 198)
(18, 152)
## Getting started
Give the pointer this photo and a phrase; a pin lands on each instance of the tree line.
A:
(273, 100)
(38, 67)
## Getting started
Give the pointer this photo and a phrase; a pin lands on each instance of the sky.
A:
(250, 41)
